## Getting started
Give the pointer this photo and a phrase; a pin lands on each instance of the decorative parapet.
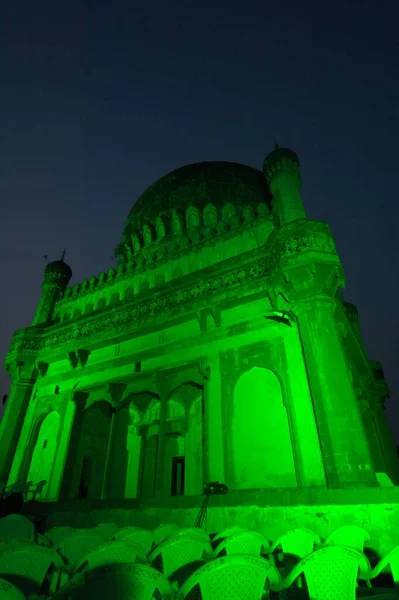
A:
(155, 247)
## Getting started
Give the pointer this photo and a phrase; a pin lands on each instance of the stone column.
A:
(346, 453)
(160, 466)
(110, 448)
(22, 450)
(66, 488)
(213, 457)
(24, 377)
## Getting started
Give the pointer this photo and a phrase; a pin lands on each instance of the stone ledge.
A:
(263, 498)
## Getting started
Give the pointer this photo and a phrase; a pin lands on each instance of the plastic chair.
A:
(245, 542)
(28, 565)
(118, 581)
(297, 542)
(16, 526)
(8, 591)
(391, 559)
(227, 532)
(163, 532)
(74, 547)
(195, 532)
(180, 551)
(37, 491)
(57, 534)
(42, 540)
(137, 535)
(106, 530)
(331, 572)
(351, 536)
(236, 577)
(111, 553)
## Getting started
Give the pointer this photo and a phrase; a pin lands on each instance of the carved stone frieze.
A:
(116, 322)
(292, 242)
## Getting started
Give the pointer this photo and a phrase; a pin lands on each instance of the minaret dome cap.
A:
(279, 160)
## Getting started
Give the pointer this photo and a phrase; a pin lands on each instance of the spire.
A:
(63, 255)
(276, 146)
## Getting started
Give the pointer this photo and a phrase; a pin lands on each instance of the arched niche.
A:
(184, 414)
(43, 449)
(91, 454)
(174, 463)
(261, 440)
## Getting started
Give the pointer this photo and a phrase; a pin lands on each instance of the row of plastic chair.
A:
(27, 489)
(179, 560)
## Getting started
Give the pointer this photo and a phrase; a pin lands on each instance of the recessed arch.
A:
(42, 449)
(261, 438)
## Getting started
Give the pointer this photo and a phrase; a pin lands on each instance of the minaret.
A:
(57, 275)
(282, 173)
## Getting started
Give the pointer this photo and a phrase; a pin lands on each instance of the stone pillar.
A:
(21, 455)
(24, 377)
(160, 466)
(346, 453)
(213, 458)
(67, 488)
(108, 462)
(308, 457)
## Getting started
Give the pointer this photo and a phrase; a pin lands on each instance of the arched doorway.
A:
(261, 440)
(43, 454)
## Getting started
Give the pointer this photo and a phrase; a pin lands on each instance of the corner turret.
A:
(282, 172)
(57, 275)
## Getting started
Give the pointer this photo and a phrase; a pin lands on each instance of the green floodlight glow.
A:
(219, 349)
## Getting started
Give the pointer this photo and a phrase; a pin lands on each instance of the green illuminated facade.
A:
(218, 349)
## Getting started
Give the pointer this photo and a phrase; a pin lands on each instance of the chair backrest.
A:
(29, 564)
(136, 534)
(8, 591)
(227, 532)
(57, 534)
(180, 551)
(75, 546)
(297, 542)
(13, 526)
(111, 553)
(235, 577)
(351, 536)
(195, 532)
(330, 572)
(40, 486)
(391, 559)
(163, 532)
(245, 542)
(121, 581)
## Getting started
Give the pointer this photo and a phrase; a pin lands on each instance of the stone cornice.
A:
(257, 269)
(130, 318)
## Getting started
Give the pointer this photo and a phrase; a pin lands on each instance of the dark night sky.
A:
(99, 99)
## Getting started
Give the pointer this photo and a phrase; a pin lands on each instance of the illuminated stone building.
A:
(218, 349)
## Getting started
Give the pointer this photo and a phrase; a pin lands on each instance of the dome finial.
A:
(63, 255)
(276, 146)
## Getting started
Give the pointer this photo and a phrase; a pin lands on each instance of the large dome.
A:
(198, 184)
